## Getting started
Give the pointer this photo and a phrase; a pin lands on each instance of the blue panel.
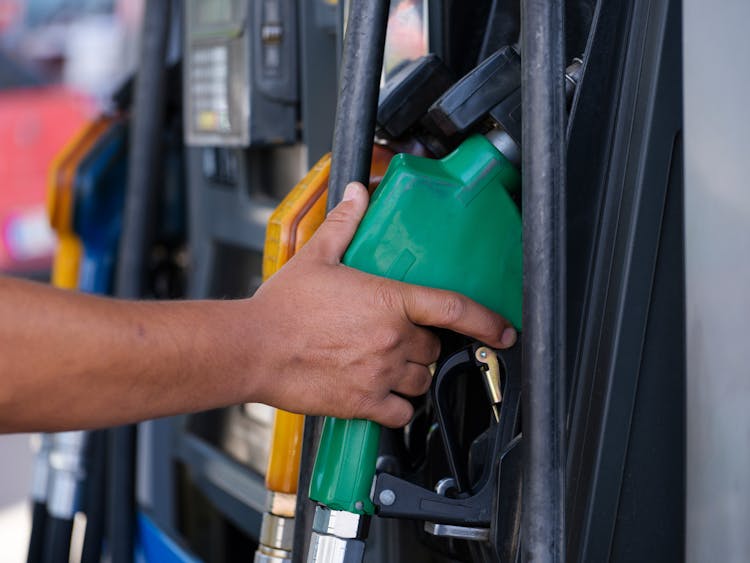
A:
(155, 546)
(98, 208)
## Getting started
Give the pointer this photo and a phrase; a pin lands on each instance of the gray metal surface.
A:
(277, 532)
(330, 549)
(41, 471)
(318, 24)
(241, 86)
(339, 523)
(155, 488)
(717, 236)
(237, 492)
(67, 473)
(458, 532)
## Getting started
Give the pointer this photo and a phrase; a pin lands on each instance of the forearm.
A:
(317, 338)
(79, 361)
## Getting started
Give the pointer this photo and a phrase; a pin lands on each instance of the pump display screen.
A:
(240, 72)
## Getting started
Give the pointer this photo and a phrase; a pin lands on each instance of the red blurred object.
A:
(10, 10)
(35, 124)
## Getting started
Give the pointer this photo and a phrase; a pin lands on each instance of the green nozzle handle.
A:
(449, 224)
(345, 465)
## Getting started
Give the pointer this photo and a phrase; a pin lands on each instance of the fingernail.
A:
(509, 337)
(350, 192)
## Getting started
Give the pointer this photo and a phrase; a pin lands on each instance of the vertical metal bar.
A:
(137, 236)
(543, 66)
(317, 57)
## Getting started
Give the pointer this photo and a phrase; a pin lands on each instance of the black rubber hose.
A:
(146, 154)
(305, 509)
(354, 129)
(38, 524)
(57, 540)
(121, 494)
(144, 168)
(357, 102)
(95, 499)
(544, 238)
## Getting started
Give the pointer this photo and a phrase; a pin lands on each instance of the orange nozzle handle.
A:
(60, 182)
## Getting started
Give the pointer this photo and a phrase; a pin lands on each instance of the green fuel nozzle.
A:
(427, 214)
(452, 224)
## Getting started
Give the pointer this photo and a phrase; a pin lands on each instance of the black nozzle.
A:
(472, 97)
(410, 93)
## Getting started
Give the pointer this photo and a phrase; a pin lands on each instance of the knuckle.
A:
(426, 382)
(413, 385)
(385, 296)
(388, 339)
(323, 247)
(434, 352)
(453, 308)
(403, 415)
(339, 214)
(361, 405)
(419, 382)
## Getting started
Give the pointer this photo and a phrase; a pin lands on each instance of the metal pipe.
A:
(544, 237)
(137, 235)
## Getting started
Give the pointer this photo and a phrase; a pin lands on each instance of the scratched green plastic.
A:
(448, 224)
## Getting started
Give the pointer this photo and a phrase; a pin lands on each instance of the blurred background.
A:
(60, 61)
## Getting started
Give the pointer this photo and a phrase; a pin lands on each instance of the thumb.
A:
(334, 235)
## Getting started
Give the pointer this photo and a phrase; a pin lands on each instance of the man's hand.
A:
(317, 338)
(340, 342)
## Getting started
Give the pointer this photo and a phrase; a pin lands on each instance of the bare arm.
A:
(318, 338)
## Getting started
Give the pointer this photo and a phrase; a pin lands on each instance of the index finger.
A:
(448, 309)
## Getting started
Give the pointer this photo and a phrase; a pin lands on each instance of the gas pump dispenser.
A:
(257, 102)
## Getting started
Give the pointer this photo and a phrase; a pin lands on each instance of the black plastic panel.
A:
(625, 292)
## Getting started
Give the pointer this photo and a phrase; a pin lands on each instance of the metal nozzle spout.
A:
(338, 536)
(276, 539)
